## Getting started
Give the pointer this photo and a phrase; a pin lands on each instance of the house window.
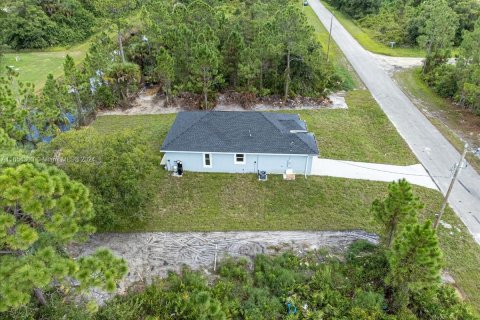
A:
(239, 158)
(207, 160)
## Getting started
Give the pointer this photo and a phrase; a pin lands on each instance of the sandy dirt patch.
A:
(154, 254)
(148, 103)
(393, 64)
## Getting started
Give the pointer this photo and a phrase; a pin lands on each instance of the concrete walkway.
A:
(435, 153)
(415, 174)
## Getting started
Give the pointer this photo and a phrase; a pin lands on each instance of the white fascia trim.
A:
(265, 154)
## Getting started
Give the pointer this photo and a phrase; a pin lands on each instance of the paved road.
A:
(415, 174)
(435, 153)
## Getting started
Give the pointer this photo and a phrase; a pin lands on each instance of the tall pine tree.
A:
(42, 211)
(397, 210)
(415, 262)
(165, 71)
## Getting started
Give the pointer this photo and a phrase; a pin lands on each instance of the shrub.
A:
(109, 165)
(321, 291)
(471, 97)
(124, 78)
(445, 80)
(357, 8)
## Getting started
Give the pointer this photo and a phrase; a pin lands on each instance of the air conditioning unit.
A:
(178, 169)
(262, 176)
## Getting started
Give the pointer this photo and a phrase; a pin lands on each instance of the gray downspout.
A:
(306, 164)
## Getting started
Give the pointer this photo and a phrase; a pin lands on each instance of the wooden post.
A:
(215, 258)
(329, 36)
(450, 187)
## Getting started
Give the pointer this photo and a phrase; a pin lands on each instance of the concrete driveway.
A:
(435, 153)
(415, 174)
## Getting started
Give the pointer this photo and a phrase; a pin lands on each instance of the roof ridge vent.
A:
(298, 131)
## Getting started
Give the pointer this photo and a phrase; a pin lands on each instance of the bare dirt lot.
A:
(154, 254)
(149, 102)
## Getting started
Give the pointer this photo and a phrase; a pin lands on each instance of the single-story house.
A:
(239, 142)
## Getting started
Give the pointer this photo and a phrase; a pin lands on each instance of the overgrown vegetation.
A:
(114, 166)
(460, 81)
(437, 27)
(196, 49)
(399, 279)
(282, 287)
(28, 117)
(32, 24)
(42, 212)
(42, 24)
(411, 23)
(251, 47)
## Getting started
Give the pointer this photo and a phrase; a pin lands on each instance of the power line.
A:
(386, 171)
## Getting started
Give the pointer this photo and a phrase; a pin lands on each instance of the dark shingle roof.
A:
(242, 132)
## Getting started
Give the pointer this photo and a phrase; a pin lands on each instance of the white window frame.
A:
(204, 160)
(240, 162)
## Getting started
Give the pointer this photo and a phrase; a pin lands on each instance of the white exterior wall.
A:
(225, 162)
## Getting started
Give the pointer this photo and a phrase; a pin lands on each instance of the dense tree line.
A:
(200, 48)
(33, 24)
(460, 81)
(39, 24)
(249, 46)
(407, 22)
(398, 279)
(438, 26)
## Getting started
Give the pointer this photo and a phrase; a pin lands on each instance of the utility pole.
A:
(329, 36)
(458, 168)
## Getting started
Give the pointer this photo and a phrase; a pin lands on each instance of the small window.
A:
(239, 158)
(207, 160)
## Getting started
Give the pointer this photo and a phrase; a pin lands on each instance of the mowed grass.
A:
(360, 133)
(366, 39)
(34, 66)
(449, 119)
(222, 202)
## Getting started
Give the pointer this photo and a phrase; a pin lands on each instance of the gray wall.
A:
(225, 162)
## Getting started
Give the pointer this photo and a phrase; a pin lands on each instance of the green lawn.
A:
(365, 38)
(360, 133)
(450, 120)
(223, 202)
(214, 202)
(34, 66)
